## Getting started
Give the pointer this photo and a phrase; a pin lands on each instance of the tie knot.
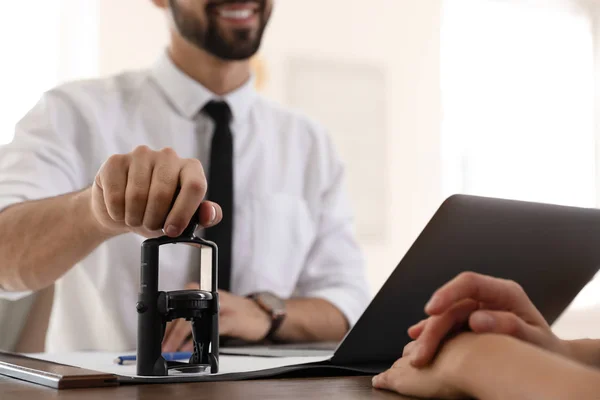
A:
(218, 111)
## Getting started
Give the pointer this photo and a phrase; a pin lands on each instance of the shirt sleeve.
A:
(335, 267)
(42, 159)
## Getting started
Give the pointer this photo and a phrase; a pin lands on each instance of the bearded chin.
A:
(240, 47)
(242, 43)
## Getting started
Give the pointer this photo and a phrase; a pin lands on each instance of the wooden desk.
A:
(300, 389)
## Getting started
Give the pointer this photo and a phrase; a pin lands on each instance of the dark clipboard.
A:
(54, 375)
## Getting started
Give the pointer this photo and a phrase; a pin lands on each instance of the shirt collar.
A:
(189, 96)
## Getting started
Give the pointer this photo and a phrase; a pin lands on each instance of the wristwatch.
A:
(272, 305)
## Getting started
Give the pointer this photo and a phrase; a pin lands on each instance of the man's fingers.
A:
(497, 293)
(193, 189)
(437, 329)
(225, 325)
(415, 331)
(168, 330)
(178, 336)
(112, 179)
(187, 346)
(228, 316)
(165, 178)
(138, 186)
(225, 301)
(210, 214)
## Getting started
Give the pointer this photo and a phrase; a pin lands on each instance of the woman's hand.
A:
(486, 305)
(440, 380)
(491, 367)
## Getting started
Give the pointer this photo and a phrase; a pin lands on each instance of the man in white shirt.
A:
(92, 172)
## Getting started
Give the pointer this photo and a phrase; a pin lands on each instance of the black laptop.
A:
(552, 251)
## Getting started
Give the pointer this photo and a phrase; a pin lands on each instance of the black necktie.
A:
(220, 187)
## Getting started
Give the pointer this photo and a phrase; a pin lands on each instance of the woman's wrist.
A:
(489, 362)
(585, 351)
(468, 355)
(474, 366)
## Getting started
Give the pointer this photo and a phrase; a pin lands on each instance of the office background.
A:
(423, 98)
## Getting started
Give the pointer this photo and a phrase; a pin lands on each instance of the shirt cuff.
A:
(6, 202)
(13, 296)
(351, 303)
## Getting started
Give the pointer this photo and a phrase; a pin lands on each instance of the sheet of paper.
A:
(104, 362)
(274, 351)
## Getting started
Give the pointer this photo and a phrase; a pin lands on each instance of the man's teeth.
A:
(236, 14)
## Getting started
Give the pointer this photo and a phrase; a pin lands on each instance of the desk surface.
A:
(301, 389)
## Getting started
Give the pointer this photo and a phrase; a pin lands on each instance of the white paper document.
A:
(275, 351)
(105, 362)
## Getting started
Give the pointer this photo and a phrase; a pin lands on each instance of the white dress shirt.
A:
(293, 228)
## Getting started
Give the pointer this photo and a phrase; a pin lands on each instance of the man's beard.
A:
(242, 46)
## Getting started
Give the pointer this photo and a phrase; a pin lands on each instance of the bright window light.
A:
(518, 98)
(29, 38)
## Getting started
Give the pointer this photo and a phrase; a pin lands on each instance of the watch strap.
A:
(276, 319)
(275, 324)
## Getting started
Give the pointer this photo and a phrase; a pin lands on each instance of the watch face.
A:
(271, 302)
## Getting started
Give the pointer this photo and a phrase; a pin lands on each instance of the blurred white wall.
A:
(78, 39)
(400, 38)
(131, 33)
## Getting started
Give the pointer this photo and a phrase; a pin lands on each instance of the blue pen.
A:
(182, 355)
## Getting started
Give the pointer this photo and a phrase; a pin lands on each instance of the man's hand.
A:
(439, 381)
(487, 305)
(242, 318)
(239, 317)
(134, 193)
